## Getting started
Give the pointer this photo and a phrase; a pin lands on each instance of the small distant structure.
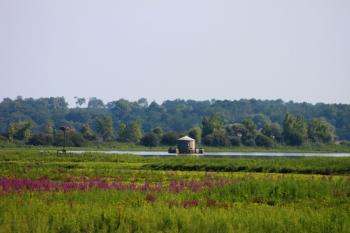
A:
(186, 145)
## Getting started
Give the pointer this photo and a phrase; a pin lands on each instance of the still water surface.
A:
(252, 154)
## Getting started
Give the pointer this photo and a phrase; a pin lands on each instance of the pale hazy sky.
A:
(165, 49)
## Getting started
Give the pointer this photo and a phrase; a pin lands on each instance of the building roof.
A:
(186, 138)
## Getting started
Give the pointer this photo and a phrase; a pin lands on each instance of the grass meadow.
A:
(46, 192)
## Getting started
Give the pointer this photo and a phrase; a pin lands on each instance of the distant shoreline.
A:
(131, 147)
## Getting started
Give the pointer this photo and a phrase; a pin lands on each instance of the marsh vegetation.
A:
(46, 192)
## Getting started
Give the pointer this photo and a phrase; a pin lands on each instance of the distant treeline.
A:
(214, 123)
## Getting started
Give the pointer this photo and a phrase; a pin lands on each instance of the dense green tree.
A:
(158, 131)
(130, 133)
(175, 115)
(21, 130)
(263, 140)
(45, 136)
(48, 127)
(294, 130)
(122, 133)
(79, 101)
(235, 141)
(212, 124)
(248, 137)
(235, 132)
(134, 132)
(142, 102)
(87, 132)
(321, 131)
(169, 138)
(196, 134)
(260, 120)
(41, 139)
(273, 130)
(95, 103)
(213, 131)
(218, 138)
(11, 131)
(150, 140)
(104, 125)
(76, 139)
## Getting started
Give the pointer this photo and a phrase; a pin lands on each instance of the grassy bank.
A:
(132, 147)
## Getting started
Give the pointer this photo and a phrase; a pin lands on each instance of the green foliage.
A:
(79, 101)
(320, 131)
(294, 130)
(176, 115)
(48, 127)
(21, 130)
(260, 120)
(245, 202)
(41, 139)
(217, 138)
(273, 130)
(237, 130)
(169, 138)
(248, 137)
(131, 132)
(239, 121)
(104, 127)
(262, 140)
(150, 140)
(158, 131)
(76, 139)
(196, 134)
(87, 132)
(212, 125)
(213, 131)
(235, 141)
(325, 166)
(95, 103)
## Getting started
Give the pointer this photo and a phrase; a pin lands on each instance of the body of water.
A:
(252, 154)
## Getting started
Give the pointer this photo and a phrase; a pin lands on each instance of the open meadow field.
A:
(46, 192)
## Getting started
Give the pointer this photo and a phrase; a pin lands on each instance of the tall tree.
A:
(79, 101)
(130, 133)
(87, 132)
(248, 137)
(122, 133)
(272, 130)
(260, 120)
(150, 140)
(104, 125)
(134, 132)
(212, 124)
(169, 138)
(294, 130)
(95, 103)
(48, 127)
(196, 134)
(321, 131)
(235, 133)
(21, 130)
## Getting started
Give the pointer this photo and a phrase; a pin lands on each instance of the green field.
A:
(308, 148)
(46, 192)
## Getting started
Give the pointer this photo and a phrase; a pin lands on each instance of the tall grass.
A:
(313, 165)
(96, 212)
(45, 192)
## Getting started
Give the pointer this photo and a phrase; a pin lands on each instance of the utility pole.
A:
(64, 129)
